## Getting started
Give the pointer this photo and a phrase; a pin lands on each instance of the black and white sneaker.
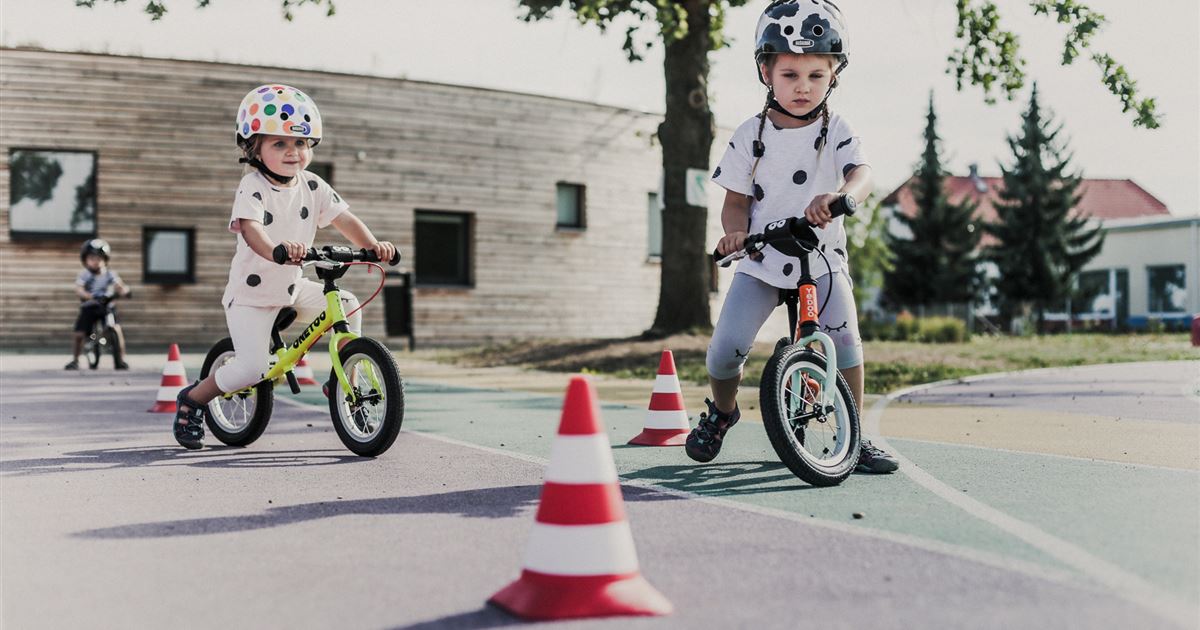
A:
(874, 460)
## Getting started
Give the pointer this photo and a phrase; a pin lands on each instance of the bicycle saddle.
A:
(286, 316)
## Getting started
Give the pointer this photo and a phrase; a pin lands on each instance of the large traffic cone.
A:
(304, 373)
(174, 378)
(580, 561)
(666, 419)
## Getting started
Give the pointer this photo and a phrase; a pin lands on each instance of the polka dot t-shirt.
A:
(789, 175)
(288, 213)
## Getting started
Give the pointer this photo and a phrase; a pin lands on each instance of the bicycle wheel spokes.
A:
(822, 438)
(362, 417)
(234, 411)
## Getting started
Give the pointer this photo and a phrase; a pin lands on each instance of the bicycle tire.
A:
(345, 419)
(781, 431)
(94, 346)
(217, 418)
(114, 346)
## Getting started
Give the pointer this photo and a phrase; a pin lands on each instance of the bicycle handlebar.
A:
(334, 253)
(795, 229)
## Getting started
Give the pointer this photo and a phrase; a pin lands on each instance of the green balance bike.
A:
(366, 394)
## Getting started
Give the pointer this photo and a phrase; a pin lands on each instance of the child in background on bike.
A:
(277, 203)
(793, 159)
(94, 285)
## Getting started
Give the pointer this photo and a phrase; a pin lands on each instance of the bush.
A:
(941, 330)
(906, 327)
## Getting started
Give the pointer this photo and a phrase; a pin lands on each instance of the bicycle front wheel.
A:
(369, 425)
(94, 345)
(239, 418)
(819, 446)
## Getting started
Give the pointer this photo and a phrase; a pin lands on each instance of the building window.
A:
(1168, 289)
(52, 194)
(443, 248)
(324, 170)
(168, 255)
(571, 206)
(654, 226)
(1094, 298)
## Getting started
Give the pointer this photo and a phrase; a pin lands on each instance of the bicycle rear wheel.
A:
(369, 426)
(239, 418)
(819, 447)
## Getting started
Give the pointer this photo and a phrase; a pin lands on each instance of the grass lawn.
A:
(890, 364)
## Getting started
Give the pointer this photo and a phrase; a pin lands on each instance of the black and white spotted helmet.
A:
(803, 27)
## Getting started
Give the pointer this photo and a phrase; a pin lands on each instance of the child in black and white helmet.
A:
(795, 158)
(95, 285)
(278, 203)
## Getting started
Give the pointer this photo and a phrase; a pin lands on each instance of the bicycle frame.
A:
(805, 327)
(334, 316)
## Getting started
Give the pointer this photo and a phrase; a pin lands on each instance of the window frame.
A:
(468, 250)
(38, 235)
(1150, 291)
(580, 207)
(168, 278)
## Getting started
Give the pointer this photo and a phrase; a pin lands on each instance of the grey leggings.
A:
(749, 303)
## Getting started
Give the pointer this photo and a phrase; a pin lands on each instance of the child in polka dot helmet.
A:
(279, 110)
(279, 203)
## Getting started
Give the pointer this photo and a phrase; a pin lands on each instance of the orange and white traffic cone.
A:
(304, 373)
(580, 561)
(666, 419)
(174, 378)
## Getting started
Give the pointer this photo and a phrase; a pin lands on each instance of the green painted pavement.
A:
(748, 471)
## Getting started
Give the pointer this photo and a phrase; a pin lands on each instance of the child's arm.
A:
(360, 235)
(735, 218)
(82, 292)
(256, 237)
(858, 185)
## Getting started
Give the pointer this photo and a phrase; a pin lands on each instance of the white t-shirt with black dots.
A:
(789, 175)
(288, 213)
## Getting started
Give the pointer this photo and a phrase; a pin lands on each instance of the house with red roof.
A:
(1148, 270)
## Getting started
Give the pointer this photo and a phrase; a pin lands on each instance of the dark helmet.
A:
(815, 27)
(97, 246)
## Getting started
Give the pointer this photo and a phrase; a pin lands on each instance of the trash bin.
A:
(398, 307)
(1196, 329)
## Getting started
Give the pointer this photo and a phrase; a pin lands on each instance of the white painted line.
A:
(1122, 583)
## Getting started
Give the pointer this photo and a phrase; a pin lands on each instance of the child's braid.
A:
(759, 149)
(822, 138)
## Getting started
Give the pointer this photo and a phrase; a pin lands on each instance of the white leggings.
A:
(250, 329)
(749, 303)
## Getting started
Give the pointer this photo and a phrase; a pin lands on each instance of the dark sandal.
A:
(189, 424)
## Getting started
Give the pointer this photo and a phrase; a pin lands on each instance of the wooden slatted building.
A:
(471, 183)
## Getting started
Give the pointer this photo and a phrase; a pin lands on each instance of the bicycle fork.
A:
(805, 325)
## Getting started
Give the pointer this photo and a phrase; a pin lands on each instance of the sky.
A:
(898, 56)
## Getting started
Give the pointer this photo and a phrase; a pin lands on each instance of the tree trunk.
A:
(686, 134)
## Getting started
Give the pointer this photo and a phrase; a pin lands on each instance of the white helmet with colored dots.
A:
(278, 110)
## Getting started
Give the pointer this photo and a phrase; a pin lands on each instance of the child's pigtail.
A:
(759, 148)
(823, 137)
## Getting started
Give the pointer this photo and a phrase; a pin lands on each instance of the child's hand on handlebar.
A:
(295, 251)
(817, 212)
(731, 242)
(384, 250)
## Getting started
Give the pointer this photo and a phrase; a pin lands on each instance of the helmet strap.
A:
(816, 111)
(262, 168)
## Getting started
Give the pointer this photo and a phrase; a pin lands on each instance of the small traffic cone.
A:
(304, 373)
(666, 419)
(174, 378)
(580, 561)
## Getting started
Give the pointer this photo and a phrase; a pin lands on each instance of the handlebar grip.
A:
(842, 207)
(279, 254)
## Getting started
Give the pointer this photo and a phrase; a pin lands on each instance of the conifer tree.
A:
(1040, 243)
(936, 263)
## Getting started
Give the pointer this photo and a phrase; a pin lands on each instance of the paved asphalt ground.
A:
(105, 523)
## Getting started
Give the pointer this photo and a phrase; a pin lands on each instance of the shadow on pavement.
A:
(486, 617)
(733, 478)
(211, 457)
(481, 503)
